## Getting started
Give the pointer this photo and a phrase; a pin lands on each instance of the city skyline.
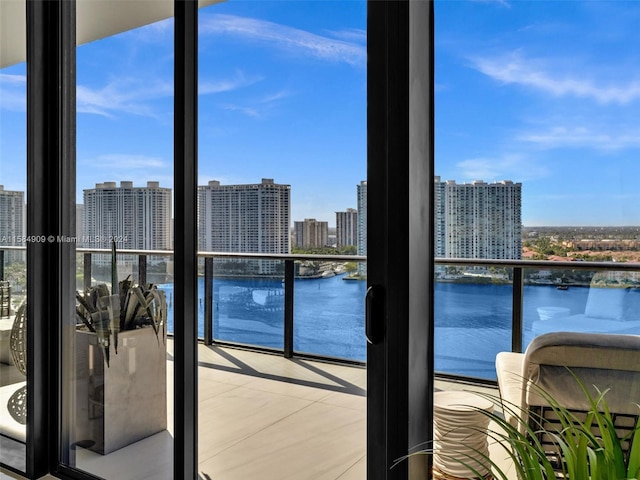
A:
(542, 93)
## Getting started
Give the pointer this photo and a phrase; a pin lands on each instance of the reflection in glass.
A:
(13, 390)
(121, 390)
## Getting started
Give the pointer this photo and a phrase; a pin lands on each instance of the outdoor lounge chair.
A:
(606, 361)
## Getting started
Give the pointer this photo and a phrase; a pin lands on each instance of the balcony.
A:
(259, 413)
(481, 307)
(263, 416)
(281, 405)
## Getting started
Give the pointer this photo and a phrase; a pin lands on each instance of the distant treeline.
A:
(582, 233)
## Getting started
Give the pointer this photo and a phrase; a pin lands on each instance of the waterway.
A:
(472, 321)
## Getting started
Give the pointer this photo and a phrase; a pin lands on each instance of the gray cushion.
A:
(606, 361)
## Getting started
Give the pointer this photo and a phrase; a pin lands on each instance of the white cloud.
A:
(135, 96)
(249, 111)
(156, 32)
(582, 137)
(502, 3)
(14, 80)
(539, 75)
(13, 92)
(285, 37)
(122, 96)
(274, 97)
(515, 167)
(239, 80)
(350, 35)
(259, 107)
(115, 161)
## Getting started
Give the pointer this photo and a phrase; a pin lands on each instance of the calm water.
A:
(328, 314)
(473, 322)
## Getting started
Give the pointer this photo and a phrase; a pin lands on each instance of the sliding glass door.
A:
(103, 184)
(117, 374)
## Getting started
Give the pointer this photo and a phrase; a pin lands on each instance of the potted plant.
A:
(586, 446)
(107, 314)
(121, 357)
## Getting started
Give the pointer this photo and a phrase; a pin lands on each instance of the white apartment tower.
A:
(12, 222)
(439, 218)
(347, 228)
(251, 218)
(362, 225)
(482, 220)
(311, 233)
(80, 221)
(134, 217)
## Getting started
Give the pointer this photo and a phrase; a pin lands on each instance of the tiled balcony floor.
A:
(261, 417)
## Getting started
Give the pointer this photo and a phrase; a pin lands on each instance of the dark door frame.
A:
(51, 144)
(399, 232)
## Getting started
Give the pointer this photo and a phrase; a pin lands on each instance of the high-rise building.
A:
(439, 217)
(482, 220)
(362, 225)
(80, 221)
(251, 218)
(12, 222)
(134, 217)
(311, 233)
(347, 228)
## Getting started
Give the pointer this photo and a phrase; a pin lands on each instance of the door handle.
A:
(374, 314)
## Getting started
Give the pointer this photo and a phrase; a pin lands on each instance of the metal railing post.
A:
(1, 265)
(142, 269)
(208, 301)
(517, 309)
(86, 268)
(288, 308)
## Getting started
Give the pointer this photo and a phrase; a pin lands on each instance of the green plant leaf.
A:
(633, 470)
(588, 445)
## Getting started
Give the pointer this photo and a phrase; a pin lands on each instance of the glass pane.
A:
(282, 152)
(248, 309)
(604, 301)
(461, 347)
(328, 315)
(122, 383)
(535, 113)
(13, 279)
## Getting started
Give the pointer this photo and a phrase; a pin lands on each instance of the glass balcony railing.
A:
(305, 305)
(483, 307)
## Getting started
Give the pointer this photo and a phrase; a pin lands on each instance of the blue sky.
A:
(543, 93)
(546, 93)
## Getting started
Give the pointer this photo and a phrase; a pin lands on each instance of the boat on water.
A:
(562, 287)
(256, 304)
